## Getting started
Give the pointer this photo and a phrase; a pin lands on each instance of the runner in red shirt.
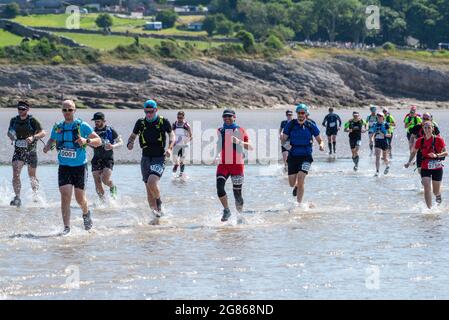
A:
(433, 151)
(232, 139)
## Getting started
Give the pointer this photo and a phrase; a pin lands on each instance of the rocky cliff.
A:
(344, 81)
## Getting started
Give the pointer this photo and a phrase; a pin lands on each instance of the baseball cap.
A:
(150, 104)
(228, 112)
(98, 116)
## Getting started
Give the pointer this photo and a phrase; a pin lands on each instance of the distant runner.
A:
(410, 120)
(71, 137)
(285, 148)
(232, 141)
(24, 131)
(332, 122)
(152, 131)
(301, 133)
(371, 121)
(392, 124)
(379, 135)
(356, 126)
(183, 136)
(433, 149)
(103, 160)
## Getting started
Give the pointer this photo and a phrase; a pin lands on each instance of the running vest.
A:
(308, 125)
(433, 147)
(380, 130)
(371, 120)
(235, 147)
(411, 122)
(331, 121)
(60, 130)
(143, 143)
(28, 121)
(181, 131)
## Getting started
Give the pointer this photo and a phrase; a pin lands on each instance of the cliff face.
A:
(205, 83)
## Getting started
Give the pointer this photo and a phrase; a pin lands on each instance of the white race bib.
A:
(237, 180)
(435, 164)
(380, 136)
(21, 144)
(68, 153)
(157, 168)
(305, 166)
(332, 124)
(359, 143)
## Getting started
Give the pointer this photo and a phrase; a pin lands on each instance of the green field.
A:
(9, 39)
(110, 42)
(120, 24)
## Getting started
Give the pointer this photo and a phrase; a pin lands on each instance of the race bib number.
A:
(435, 164)
(157, 168)
(21, 144)
(380, 136)
(237, 180)
(359, 143)
(68, 153)
(332, 124)
(305, 166)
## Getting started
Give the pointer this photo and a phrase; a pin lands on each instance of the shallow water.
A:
(365, 237)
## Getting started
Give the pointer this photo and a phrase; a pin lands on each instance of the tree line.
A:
(336, 20)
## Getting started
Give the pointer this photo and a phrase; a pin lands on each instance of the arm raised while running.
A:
(171, 143)
(93, 140)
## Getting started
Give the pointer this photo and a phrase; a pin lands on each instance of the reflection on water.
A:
(358, 224)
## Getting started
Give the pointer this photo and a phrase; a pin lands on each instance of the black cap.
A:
(23, 104)
(288, 112)
(228, 112)
(98, 116)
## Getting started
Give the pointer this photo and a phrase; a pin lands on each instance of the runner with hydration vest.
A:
(356, 126)
(380, 134)
(152, 131)
(371, 121)
(392, 125)
(433, 150)
(71, 137)
(332, 122)
(24, 131)
(300, 132)
(183, 135)
(411, 119)
(418, 131)
(232, 141)
(285, 148)
(103, 159)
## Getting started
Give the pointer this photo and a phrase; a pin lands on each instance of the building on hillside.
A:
(191, 9)
(153, 25)
(195, 26)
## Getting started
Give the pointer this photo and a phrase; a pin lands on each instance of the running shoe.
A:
(438, 199)
(356, 168)
(16, 202)
(387, 169)
(113, 190)
(159, 205)
(377, 174)
(66, 231)
(226, 215)
(87, 221)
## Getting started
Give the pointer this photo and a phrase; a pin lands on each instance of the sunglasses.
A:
(22, 109)
(301, 112)
(427, 127)
(68, 110)
(150, 111)
(227, 116)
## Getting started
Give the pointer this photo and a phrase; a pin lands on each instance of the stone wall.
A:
(24, 31)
